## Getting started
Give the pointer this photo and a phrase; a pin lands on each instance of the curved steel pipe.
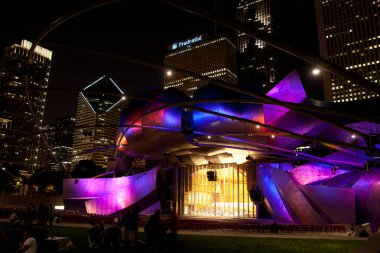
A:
(231, 24)
(300, 108)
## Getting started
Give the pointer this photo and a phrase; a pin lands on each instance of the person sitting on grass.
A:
(30, 244)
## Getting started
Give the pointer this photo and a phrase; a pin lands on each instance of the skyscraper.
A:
(20, 139)
(60, 137)
(97, 119)
(214, 57)
(256, 59)
(349, 35)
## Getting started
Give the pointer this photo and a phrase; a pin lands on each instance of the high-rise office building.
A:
(349, 36)
(256, 59)
(21, 144)
(60, 137)
(214, 57)
(96, 122)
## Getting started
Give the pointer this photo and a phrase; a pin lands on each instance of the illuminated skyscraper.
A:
(20, 140)
(349, 36)
(60, 137)
(214, 57)
(256, 59)
(96, 122)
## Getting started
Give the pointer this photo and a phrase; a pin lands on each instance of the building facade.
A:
(349, 35)
(97, 120)
(213, 57)
(21, 142)
(60, 137)
(256, 59)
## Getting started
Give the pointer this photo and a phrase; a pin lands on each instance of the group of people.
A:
(43, 216)
(19, 235)
(26, 230)
(125, 232)
(102, 236)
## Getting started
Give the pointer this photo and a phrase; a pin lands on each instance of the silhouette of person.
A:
(31, 214)
(274, 227)
(133, 222)
(50, 214)
(124, 223)
(43, 212)
(155, 230)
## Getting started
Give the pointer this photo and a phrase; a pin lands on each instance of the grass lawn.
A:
(216, 244)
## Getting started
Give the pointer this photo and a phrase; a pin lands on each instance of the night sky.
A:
(140, 29)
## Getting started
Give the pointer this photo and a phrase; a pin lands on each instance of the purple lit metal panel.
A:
(290, 89)
(345, 180)
(87, 188)
(368, 197)
(336, 203)
(312, 172)
(277, 206)
(109, 195)
(205, 122)
(357, 157)
(151, 209)
(296, 202)
(124, 196)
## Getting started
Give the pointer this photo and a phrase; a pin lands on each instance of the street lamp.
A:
(316, 71)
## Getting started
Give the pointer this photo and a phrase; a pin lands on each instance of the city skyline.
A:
(113, 30)
(223, 151)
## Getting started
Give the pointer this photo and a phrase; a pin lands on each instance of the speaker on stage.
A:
(211, 175)
(255, 194)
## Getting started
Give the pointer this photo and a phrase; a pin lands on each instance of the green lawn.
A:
(216, 244)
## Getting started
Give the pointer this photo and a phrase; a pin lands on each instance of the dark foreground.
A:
(208, 243)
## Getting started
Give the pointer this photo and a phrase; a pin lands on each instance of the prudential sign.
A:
(187, 42)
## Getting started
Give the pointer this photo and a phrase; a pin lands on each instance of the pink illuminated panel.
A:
(109, 195)
(313, 172)
(290, 89)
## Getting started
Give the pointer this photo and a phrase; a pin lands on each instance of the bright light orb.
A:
(169, 73)
(316, 71)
